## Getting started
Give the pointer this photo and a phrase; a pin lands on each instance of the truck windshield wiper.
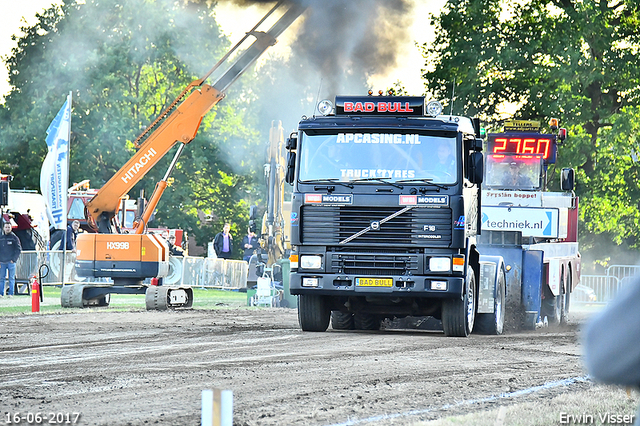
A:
(382, 180)
(425, 180)
(332, 180)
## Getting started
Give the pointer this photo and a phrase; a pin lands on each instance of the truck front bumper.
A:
(394, 286)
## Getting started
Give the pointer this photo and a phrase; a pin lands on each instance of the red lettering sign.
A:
(312, 198)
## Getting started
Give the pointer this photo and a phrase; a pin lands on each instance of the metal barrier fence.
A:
(607, 286)
(188, 271)
(604, 287)
(210, 272)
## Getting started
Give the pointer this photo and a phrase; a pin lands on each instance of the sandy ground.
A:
(141, 368)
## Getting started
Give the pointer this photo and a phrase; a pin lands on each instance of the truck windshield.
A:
(519, 172)
(389, 156)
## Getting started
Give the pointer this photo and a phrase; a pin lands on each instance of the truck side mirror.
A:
(292, 142)
(477, 146)
(476, 126)
(476, 168)
(291, 168)
(567, 179)
(253, 212)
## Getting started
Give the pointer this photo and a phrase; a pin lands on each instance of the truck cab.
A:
(385, 213)
(532, 228)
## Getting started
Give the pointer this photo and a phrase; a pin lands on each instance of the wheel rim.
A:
(499, 308)
(470, 302)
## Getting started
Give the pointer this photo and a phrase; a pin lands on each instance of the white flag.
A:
(54, 176)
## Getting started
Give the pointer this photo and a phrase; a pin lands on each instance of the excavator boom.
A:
(181, 125)
(130, 258)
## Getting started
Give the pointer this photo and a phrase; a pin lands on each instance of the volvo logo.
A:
(375, 225)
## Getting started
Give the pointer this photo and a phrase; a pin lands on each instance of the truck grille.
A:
(328, 225)
(373, 264)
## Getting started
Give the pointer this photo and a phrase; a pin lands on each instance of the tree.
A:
(566, 58)
(125, 62)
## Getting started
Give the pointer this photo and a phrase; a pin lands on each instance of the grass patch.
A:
(203, 299)
(598, 401)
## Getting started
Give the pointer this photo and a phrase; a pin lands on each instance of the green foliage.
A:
(124, 63)
(575, 60)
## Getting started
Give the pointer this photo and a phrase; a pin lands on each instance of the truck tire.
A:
(458, 315)
(365, 321)
(342, 320)
(494, 323)
(552, 306)
(564, 317)
(313, 313)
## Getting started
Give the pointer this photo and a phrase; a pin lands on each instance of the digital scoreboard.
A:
(523, 144)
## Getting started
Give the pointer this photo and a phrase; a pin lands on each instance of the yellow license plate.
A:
(374, 282)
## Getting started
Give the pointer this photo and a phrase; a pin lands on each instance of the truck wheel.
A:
(342, 320)
(564, 317)
(364, 321)
(494, 323)
(458, 314)
(552, 306)
(313, 314)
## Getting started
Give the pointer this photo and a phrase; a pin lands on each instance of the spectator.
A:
(249, 244)
(174, 250)
(612, 341)
(72, 235)
(10, 250)
(223, 242)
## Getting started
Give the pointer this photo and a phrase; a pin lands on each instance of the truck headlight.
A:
(310, 262)
(439, 264)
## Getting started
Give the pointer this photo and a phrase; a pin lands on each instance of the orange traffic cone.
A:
(35, 295)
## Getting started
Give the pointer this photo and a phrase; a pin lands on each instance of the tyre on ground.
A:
(342, 320)
(366, 321)
(313, 313)
(553, 307)
(493, 323)
(458, 314)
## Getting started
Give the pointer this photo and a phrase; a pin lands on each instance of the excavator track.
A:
(161, 298)
(73, 296)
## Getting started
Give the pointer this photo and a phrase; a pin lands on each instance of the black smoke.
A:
(347, 40)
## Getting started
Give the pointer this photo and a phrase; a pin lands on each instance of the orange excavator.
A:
(129, 259)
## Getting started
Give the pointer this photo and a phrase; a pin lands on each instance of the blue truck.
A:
(532, 230)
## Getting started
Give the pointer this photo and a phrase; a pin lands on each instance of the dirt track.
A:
(137, 368)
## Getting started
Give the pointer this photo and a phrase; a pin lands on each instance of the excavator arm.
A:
(130, 258)
(180, 125)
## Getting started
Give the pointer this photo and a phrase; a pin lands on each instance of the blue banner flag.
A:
(54, 176)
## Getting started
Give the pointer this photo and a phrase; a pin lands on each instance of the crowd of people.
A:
(223, 243)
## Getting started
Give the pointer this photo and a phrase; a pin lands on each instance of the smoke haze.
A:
(341, 40)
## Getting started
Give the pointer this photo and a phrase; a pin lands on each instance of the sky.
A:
(17, 13)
